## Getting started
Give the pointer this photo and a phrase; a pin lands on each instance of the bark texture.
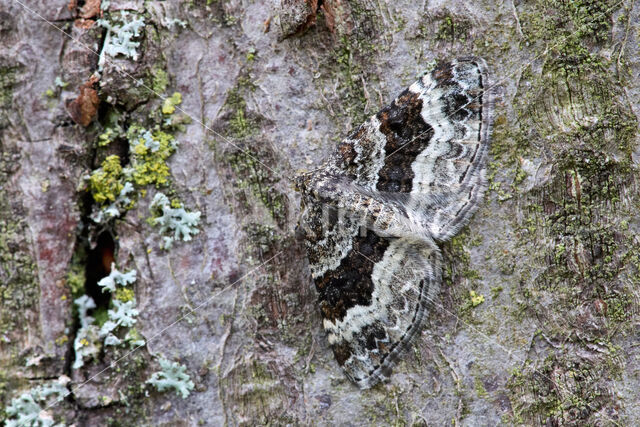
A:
(537, 322)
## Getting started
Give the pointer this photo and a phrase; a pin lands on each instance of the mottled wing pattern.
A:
(409, 176)
(375, 302)
(449, 175)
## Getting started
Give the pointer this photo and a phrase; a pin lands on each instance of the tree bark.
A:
(536, 320)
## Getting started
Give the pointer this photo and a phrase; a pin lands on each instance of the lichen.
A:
(572, 112)
(116, 189)
(452, 27)
(241, 124)
(119, 39)
(106, 182)
(170, 103)
(20, 291)
(149, 162)
(101, 329)
(160, 79)
(173, 376)
(124, 294)
(475, 298)
(116, 278)
(8, 78)
(31, 408)
(173, 220)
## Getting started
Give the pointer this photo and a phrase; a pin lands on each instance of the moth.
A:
(375, 213)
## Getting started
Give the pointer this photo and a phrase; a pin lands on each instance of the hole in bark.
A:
(98, 265)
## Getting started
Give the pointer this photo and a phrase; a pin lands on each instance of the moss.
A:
(19, 289)
(240, 123)
(8, 73)
(76, 275)
(106, 183)
(452, 27)
(573, 112)
(160, 79)
(252, 175)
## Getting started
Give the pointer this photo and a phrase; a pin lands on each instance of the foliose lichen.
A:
(173, 376)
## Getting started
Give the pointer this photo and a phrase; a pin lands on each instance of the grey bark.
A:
(270, 87)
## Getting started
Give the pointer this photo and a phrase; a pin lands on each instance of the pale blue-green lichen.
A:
(173, 376)
(31, 407)
(174, 220)
(116, 277)
(91, 337)
(120, 36)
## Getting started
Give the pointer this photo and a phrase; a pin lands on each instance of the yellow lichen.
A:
(169, 105)
(476, 299)
(105, 182)
(150, 166)
(124, 294)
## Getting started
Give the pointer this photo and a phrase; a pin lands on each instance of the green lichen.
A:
(262, 236)
(562, 390)
(129, 375)
(251, 54)
(389, 408)
(349, 75)
(345, 80)
(124, 294)
(76, 275)
(496, 291)
(475, 298)
(455, 250)
(253, 391)
(479, 387)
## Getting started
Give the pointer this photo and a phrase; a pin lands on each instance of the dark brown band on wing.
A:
(407, 132)
(350, 283)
